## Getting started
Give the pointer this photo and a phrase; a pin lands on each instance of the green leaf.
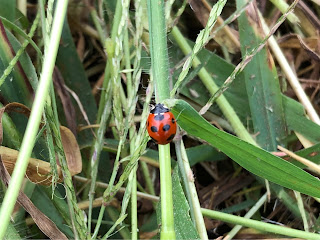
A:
(219, 70)
(183, 225)
(262, 84)
(45, 205)
(16, 86)
(75, 78)
(204, 153)
(254, 159)
(297, 121)
(11, 232)
(8, 9)
(17, 29)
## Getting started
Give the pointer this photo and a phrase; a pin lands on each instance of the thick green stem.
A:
(34, 120)
(160, 73)
(158, 49)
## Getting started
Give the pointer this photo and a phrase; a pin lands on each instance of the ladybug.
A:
(161, 124)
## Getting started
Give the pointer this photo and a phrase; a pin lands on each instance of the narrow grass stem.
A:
(134, 213)
(262, 226)
(160, 74)
(34, 120)
(196, 208)
(249, 214)
(302, 211)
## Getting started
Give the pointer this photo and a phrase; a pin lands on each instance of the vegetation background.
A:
(241, 78)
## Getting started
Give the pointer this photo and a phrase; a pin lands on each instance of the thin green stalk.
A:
(97, 23)
(34, 120)
(193, 199)
(53, 135)
(26, 42)
(201, 40)
(262, 226)
(248, 57)
(293, 19)
(160, 73)
(147, 178)
(249, 214)
(105, 105)
(184, 177)
(115, 26)
(207, 80)
(97, 147)
(134, 212)
(132, 180)
(302, 211)
(22, 34)
(167, 221)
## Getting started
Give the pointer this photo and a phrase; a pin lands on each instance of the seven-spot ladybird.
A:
(161, 124)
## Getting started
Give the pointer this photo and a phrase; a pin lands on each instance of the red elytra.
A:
(161, 124)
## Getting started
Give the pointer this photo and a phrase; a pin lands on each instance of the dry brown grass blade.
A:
(38, 171)
(310, 45)
(65, 98)
(226, 37)
(42, 221)
(71, 150)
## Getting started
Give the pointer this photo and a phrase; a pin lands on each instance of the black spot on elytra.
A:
(170, 138)
(159, 117)
(166, 127)
(173, 120)
(154, 129)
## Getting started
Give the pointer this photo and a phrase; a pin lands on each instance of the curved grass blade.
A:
(255, 160)
(262, 82)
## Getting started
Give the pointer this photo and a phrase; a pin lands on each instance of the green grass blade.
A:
(17, 86)
(297, 121)
(252, 158)
(8, 9)
(262, 84)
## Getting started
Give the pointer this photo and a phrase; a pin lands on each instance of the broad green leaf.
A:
(262, 83)
(75, 78)
(8, 9)
(183, 225)
(219, 70)
(16, 86)
(236, 93)
(11, 232)
(204, 153)
(254, 159)
(17, 29)
(297, 121)
(45, 205)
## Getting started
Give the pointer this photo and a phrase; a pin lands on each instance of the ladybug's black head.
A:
(159, 108)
